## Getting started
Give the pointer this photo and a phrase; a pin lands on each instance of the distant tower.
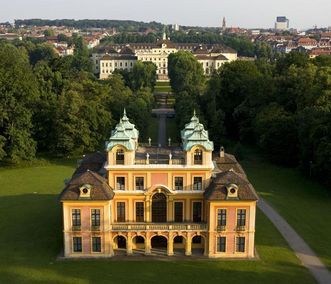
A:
(223, 24)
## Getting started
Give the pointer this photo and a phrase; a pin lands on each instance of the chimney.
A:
(222, 152)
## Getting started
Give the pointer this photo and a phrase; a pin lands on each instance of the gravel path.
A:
(300, 247)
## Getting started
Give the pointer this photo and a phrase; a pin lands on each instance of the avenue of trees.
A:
(54, 105)
(284, 106)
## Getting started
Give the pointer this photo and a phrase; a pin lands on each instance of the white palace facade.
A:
(107, 59)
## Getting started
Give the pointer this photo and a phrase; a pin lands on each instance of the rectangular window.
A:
(95, 217)
(139, 211)
(221, 244)
(178, 183)
(197, 206)
(197, 183)
(241, 217)
(120, 183)
(240, 244)
(221, 217)
(179, 211)
(139, 183)
(120, 211)
(96, 244)
(77, 244)
(76, 220)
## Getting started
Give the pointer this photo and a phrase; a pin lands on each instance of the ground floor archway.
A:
(159, 245)
(179, 245)
(119, 245)
(198, 245)
(138, 245)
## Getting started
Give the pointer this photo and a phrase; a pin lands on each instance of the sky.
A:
(302, 14)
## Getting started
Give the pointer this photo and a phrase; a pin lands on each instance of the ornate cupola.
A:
(196, 143)
(123, 142)
(129, 127)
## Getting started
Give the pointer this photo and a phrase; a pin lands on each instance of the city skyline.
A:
(252, 14)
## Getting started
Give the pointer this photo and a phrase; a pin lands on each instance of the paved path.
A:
(162, 130)
(300, 247)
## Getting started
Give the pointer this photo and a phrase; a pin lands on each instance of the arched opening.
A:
(119, 245)
(120, 157)
(198, 157)
(159, 245)
(179, 245)
(198, 245)
(159, 208)
(138, 244)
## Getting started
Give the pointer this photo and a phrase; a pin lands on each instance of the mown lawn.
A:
(162, 87)
(172, 130)
(153, 130)
(305, 204)
(31, 239)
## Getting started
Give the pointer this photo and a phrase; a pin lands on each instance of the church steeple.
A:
(223, 24)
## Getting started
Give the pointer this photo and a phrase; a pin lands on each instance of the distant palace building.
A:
(109, 58)
(142, 199)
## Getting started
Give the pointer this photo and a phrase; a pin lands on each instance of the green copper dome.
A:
(194, 134)
(124, 134)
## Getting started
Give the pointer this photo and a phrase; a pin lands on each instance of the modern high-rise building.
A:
(282, 23)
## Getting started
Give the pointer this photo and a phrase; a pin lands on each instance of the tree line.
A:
(120, 25)
(283, 106)
(53, 105)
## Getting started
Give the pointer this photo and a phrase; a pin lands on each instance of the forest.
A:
(54, 106)
(283, 106)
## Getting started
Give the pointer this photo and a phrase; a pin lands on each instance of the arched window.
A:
(159, 208)
(198, 157)
(120, 157)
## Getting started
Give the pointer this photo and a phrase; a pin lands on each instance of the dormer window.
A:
(120, 157)
(85, 191)
(232, 190)
(197, 157)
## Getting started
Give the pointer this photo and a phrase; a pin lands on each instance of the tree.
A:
(277, 134)
(185, 73)
(42, 52)
(143, 75)
(17, 96)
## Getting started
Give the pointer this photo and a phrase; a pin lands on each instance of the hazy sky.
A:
(243, 13)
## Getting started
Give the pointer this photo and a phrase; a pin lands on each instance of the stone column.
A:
(188, 245)
(147, 209)
(206, 246)
(147, 244)
(170, 209)
(129, 244)
(170, 244)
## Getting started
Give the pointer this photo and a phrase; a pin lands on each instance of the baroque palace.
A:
(175, 200)
(123, 57)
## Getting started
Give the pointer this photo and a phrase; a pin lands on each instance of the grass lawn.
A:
(172, 130)
(163, 87)
(153, 130)
(305, 204)
(31, 238)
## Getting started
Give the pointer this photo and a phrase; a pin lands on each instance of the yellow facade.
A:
(163, 199)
